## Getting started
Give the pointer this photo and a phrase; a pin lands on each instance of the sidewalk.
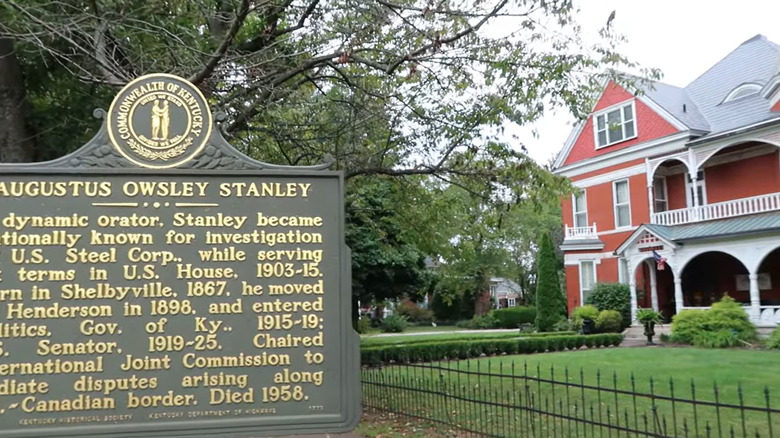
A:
(381, 335)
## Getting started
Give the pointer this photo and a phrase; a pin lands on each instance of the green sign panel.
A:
(158, 283)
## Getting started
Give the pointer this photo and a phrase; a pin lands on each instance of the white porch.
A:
(746, 267)
(720, 210)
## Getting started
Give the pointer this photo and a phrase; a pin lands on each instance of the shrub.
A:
(716, 339)
(550, 301)
(394, 324)
(414, 313)
(363, 325)
(773, 341)
(612, 296)
(514, 316)
(480, 322)
(708, 328)
(609, 321)
(582, 313)
(465, 349)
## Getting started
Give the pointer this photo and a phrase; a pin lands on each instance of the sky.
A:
(683, 38)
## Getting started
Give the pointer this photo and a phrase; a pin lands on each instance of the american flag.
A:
(660, 261)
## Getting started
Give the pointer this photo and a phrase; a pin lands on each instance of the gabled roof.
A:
(755, 61)
(700, 105)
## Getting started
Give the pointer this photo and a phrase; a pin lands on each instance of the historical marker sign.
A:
(157, 283)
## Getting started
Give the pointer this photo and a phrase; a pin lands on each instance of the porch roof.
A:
(718, 228)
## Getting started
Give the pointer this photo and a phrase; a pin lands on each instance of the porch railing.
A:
(574, 233)
(720, 210)
(770, 315)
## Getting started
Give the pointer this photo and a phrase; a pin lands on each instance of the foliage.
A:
(773, 341)
(708, 327)
(423, 352)
(480, 322)
(363, 325)
(374, 341)
(609, 321)
(564, 325)
(512, 317)
(581, 313)
(722, 338)
(612, 296)
(394, 324)
(414, 313)
(648, 316)
(550, 301)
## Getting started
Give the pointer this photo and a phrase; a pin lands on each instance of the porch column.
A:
(651, 201)
(678, 293)
(653, 287)
(755, 299)
(632, 285)
(694, 195)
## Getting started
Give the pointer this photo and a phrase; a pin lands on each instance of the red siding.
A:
(649, 126)
(568, 213)
(573, 286)
(728, 181)
(607, 271)
(675, 188)
(776, 106)
(640, 213)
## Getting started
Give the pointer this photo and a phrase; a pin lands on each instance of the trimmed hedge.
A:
(512, 317)
(430, 351)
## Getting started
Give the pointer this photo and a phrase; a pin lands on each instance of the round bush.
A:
(723, 325)
(582, 313)
(609, 321)
(612, 296)
(394, 324)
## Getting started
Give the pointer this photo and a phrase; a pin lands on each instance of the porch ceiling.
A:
(718, 228)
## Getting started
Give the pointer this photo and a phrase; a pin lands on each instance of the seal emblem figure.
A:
(159, 121)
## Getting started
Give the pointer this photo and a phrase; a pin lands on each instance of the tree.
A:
(550, 304)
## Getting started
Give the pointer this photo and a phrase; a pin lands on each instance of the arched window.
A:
(743, 90)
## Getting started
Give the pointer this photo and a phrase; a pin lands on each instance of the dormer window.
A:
(614, 125)
(741, 91)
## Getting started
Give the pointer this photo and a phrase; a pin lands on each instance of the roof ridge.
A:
(758, 37)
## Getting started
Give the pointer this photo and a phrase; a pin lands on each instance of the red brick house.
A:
(679, 189)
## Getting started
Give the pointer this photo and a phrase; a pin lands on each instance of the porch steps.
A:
(634, 336)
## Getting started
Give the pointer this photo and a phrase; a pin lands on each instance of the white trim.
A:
(752, 85)
(659, 146)
(639, 169)
(615, 203)
(699, 182)
(771, 87)
(666, 115)
(574, 209)
(636, 235)
(666, 194)
(620, 108)
(622, 275)
(575, 247)
(595, 277)
(575, 133)
(617, 231)
(574, 259)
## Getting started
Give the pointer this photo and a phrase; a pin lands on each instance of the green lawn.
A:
(525, 401)
(417, 329)
(373, 341)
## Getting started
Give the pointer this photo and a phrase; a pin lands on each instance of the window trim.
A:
(595, 277)
(666, 193)
(618, 106)
(615, 204)
(622, 262)
(574, 208)
(752, 86)
(511, 302)
(699, 182)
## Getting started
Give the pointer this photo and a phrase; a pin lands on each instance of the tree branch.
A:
(215, 58)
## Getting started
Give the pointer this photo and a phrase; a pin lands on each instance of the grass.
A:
(527, 396)
(398, 340)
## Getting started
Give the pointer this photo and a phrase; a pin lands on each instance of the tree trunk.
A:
(482, 299)
(17, 136)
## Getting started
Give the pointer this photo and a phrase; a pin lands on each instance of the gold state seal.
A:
(159, 121)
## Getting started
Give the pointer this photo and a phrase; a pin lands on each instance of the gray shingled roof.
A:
(725, 227)
(757, 60)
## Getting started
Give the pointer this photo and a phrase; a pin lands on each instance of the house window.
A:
(661, 198)
(587, 278)
(511, 302)
(580, 210)
(699, 187)
(615, 125)
(622, 204)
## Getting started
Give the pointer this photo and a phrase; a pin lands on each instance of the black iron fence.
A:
(521, 401)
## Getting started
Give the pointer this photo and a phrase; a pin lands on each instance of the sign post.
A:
(159, 283)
